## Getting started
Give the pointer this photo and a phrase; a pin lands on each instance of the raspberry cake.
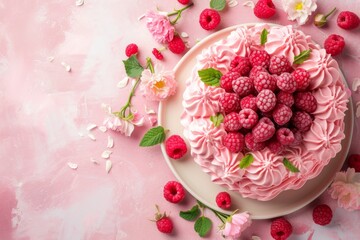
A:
(264, 110)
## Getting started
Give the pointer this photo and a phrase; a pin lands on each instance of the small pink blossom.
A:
(346, 189)
(159, 85)
(119, 125)
(159, 26)
(235, 225)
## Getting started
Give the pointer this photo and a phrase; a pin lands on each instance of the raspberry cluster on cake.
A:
(274, 118)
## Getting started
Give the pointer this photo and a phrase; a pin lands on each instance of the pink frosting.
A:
(238, 41)
(254, 35)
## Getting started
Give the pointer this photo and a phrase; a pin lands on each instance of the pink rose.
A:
(119, 125)
(235, 225)
(159, 26)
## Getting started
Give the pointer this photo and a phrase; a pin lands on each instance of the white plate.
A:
(198, 183)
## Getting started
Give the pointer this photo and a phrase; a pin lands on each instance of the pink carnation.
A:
(235, 225)
(119, 125)
(159, 26)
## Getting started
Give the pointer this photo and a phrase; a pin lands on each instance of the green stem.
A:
(219, 215)
(149, 65)
(178, 13)
(332, 11)
(125, 111)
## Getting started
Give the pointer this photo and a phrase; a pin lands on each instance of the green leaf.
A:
(290, 166)
(246, 161)
(132, 67)
(304, 55)
(152, 137)
(263, 38)
(210, 76)
(191, 214)
(202, 226)
(218, 5)
(217, 119)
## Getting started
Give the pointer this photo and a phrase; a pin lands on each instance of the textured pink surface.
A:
(44, 108)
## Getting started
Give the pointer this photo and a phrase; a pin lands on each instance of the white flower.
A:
(299, 10)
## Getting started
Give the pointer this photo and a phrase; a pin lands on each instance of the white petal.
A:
(255, 238)
(184, 35)
(91, 126)
(152, 120)
(66, 66)
(106, 108)
(72, 165)
(123, 83)
(102, 129)
(81, 134)
(94, 161)
(129, 128)
(110, 142)
(133, 82)
(92, 137)
(149, 111)
(79, 2)
(106, 154)
(141, 17)
(108, 166)
(356, 84)
(250, 4)
(51, 59)
(358, 109)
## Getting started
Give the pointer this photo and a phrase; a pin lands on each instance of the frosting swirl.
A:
(238, 41)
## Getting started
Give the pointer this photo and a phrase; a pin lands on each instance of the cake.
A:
(264, 166)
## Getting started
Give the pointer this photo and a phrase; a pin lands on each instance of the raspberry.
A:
(163, 223)
(174, 192)
(297, 137)
(263, 130)
(348, 20)
(275, 146)
(305, 101)
(232, 122)
(227, 79)
(230, 102)
(158, 55)
(243, 86)
(302, 78)
(281, 229)
(334, 44)
(302, 121)
(285, 98)
(266, 100)
(322, 214)
(285, 136)
(279, 64)
(255, 70)
(234, 141)
(260, 58)
(131, 49)
(264, 9)
(282, 114)
(241, 65)
(251, 145)
(248, 118)
(223, 200)
(176, 45)
(175, 147)
(249, 102)
(184, 2)
(264, 80)
(209, 19)
(354, 162)
(286, 82)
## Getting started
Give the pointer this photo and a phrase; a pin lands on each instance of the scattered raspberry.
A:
(234, 141)
(275, 146)
(260, 58)
(241, 65)
(264, 80)
(184, 2)
(227, 79)
(223, 200)
(131, 49)
(322, 214)
(279, 64)
(163, 223)
(255, 70)
(158, 55)
(249, 102)
(286, 82)
(334, 44)
(232, 122)
(348, 20)
(175, 147)
(243, 86)
(354, 162)
(209, 19)
(263, 130)
(230, 102)
(174, 192)
(264, 9)
(281, 229)
(302, 78)
(285, 136)
(176, 45)
(302, 121)
(248, 118)
(285, 98)
(305, 101)
(252, 145)
(282, 114)
(266, 100)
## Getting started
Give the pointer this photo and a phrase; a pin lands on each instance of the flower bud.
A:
(320, 20)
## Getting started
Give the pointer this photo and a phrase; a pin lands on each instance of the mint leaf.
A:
(246, 161)
(132, 67)
(304, 55)
(152, 137)
(217, 119)
(218, 5)
(210, 76)
(263, 37)
(202, 226)
(191, 214)
(290, 166)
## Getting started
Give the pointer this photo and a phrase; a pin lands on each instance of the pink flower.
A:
(157, 85)
(346, 189)
(235, 225)
(119, 125)
(159, 26)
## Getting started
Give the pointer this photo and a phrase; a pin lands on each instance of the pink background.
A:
(45, 112)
